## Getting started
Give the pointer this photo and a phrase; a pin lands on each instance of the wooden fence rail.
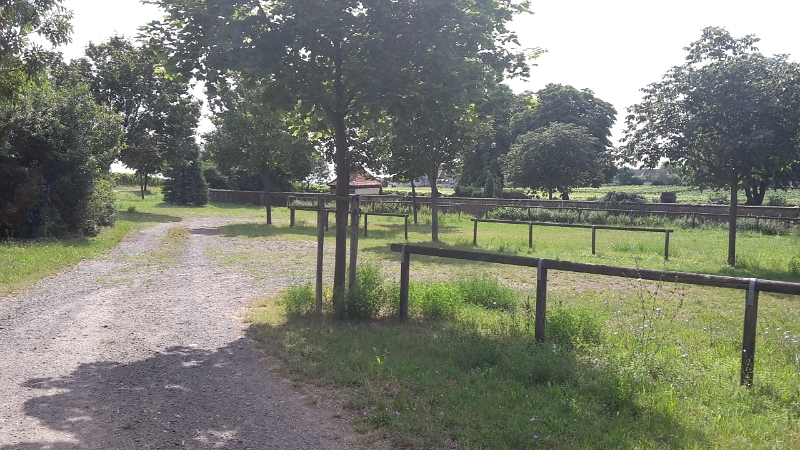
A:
(752, 286)
(594, 229)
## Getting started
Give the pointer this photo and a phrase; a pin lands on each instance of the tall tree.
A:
(558, 103)
(255, 136)
(337, 57)
(156, 109)
(729, 116)
(559, 156)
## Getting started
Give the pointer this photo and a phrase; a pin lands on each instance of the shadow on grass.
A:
(261, 230)
(182, 397)
(143, 217)
(441, 384)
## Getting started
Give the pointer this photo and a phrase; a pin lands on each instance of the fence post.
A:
(365, 224)
(530, 234)
(475, 232)
(322, 219)
(749, 335)
(406, 226)
(405, 262)
(354, 222)
(666, 245)
(541, 301)
(594, 238)
(291, 217)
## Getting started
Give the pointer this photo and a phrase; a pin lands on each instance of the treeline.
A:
(62, 125)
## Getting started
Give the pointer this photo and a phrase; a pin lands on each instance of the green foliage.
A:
(184, 183)
(623, 198)
(298, 301)
(777, 199)
(129, 179)
(557, 157)
(487, 292)
(101, 210)
(62, 140)
(368, 298)
(574, 328)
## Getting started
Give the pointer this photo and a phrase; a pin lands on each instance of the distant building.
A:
(361, 183)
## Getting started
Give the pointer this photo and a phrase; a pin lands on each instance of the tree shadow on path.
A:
(183, 397)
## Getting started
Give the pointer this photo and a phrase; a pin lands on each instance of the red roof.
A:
(358, 180)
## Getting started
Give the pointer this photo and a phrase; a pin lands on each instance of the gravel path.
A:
(140, 350)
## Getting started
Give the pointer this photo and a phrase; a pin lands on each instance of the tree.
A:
(61, 142)
(338, 58)
(729, 117)
(558, 103)
(482, 161)
(19, 59)
(559, 156)
(255, 137)
(156, 110)
(184, 183)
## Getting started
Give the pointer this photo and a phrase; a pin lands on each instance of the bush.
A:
(433, 300)
(777, 199)
(487, 292)
(574, 328)
(101, 210)
(621, 198)
(595, 217)
(299, 301)
(369, 296)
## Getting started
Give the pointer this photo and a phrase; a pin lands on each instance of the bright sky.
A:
(613, 47)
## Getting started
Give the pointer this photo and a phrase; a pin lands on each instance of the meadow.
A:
(627, 364)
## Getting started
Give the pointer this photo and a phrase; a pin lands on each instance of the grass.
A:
(626, 365)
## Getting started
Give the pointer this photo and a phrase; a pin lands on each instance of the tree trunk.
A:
(565, 196)
(732, 211)
(755, 194)
(267, 191)
(342, 177)
(141, 185)
(550, 192)
(434, 205)
(414, 200)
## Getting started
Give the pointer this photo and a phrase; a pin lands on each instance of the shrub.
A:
(620, 198)
(368, 297)
(595, 217)
(298, 301)
(101, 209)
(777, 199)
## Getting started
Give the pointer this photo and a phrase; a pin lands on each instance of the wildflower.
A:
(397, 413)
(536, 436)
(684, 355)
(441, 413)
(533, 419)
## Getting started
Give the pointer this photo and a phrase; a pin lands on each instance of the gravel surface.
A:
(147, 350)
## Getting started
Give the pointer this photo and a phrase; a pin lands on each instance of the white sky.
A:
(613, 47)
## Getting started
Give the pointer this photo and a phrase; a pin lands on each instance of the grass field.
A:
(685, 194)
(627, 364)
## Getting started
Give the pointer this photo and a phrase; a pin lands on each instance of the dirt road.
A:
(145, 349)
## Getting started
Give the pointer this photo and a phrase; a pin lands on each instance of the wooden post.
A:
(475, 232)
(666, 245)
(354, 222)
(405, 262)
(405, 226)
(541, 301)
(291, 217)
(530, 234)
(365, 224)
(594, 238)
(693, 220)
(749, 335)
(322, 219)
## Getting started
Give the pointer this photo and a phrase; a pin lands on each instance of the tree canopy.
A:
(557, 103)
(157, 112)
(729, 117)
(557, 157)
(338, 58)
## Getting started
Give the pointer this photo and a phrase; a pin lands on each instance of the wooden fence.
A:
(594, 229)
(751, 286)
